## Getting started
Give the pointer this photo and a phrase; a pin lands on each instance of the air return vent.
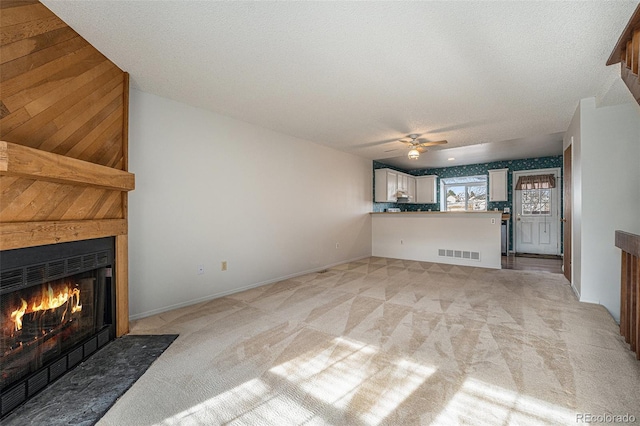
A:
(74, 264)
(89, 261)
(55, 270)
(11, 279)
(103, 258)
(36, 274)
(459, 254)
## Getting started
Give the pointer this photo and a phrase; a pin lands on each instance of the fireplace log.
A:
(36, 324)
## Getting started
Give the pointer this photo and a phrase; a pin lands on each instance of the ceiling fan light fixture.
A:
(414, 154)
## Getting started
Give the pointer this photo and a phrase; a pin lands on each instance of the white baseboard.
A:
(575, 290)
(235, 290)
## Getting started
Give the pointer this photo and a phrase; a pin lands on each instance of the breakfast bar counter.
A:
(459, 238)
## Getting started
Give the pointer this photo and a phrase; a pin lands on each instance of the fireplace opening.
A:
(56, 308)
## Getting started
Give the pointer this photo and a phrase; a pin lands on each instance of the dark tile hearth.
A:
(85, 394)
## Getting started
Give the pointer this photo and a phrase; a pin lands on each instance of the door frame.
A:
(557, 171)
(567, 221)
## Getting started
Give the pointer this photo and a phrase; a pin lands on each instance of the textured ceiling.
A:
(357, 76)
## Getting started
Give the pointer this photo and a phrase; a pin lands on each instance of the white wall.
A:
(419, 236)
(609, 188)
(210, 188)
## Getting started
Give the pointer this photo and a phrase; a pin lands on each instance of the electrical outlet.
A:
(200, 269)
(493, 220)
(337, 245)
(223, 265)
(401, 242)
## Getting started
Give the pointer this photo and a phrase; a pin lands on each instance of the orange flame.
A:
(48, 300)
(16, 316)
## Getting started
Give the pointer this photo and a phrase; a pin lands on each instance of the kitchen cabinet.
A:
(403, 182)
(386, 186)
(426, 189)
(389, 182)
(411, 188)
(498, 185)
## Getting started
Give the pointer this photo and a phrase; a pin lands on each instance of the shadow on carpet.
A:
(85, 394)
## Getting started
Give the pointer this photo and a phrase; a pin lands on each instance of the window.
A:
(467, 193)
(536, 202)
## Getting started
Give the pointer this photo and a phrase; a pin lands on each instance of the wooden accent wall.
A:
(59, 95)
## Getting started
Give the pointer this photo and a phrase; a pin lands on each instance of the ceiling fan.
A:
(417, 146)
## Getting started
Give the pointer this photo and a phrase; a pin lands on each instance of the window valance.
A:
(536, 182)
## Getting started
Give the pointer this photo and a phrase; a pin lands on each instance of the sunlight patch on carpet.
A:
(332, 374)
(405, 378)
(350, 371)
(482, 403)
(348, 375)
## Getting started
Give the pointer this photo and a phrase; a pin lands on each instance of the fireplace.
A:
(57, 307)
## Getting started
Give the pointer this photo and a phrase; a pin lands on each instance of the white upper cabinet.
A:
(498, 185)
(389, 182)
(392, 185)
(403, 182)
(426, 189)
(386, 186)
(411, 188)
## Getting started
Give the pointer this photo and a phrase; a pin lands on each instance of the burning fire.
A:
(48, 300)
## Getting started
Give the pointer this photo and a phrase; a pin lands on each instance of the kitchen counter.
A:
(504, 216)
(445, 213)
(459, 238)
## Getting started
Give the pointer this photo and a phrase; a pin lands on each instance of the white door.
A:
(537, 216)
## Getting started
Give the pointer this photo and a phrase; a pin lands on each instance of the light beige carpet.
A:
(384, 341)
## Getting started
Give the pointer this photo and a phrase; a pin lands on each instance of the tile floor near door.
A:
(532, 264)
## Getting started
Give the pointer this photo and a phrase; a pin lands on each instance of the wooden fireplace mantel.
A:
(30, 163)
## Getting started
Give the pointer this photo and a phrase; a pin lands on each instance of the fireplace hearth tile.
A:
(94, 385)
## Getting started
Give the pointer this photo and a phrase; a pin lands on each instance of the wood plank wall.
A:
(61, 95)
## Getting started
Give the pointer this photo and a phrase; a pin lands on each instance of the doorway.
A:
(537, 213)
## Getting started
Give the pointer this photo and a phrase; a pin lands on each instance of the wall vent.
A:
(460, 254)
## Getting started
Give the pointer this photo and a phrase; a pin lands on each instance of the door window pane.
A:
(536, 202)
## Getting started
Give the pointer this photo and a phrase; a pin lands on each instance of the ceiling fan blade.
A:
(421, 149)
(373, 144)
(433, 143)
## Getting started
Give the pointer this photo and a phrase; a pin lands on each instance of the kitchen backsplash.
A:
(471, 170)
